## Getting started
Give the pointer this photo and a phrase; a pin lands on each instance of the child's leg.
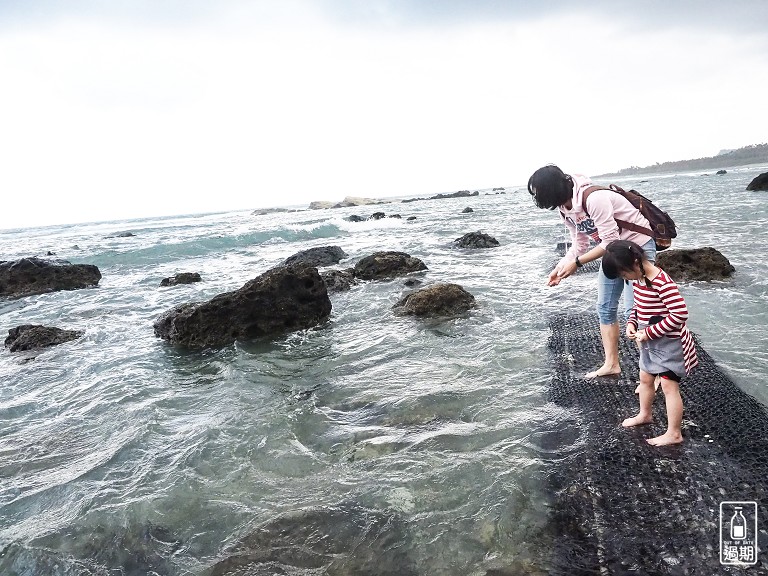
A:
(646, 392)
(674, 404)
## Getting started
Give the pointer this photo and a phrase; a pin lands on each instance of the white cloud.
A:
(273, 104)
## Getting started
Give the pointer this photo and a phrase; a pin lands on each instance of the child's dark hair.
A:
(550, 187)
(621, 256)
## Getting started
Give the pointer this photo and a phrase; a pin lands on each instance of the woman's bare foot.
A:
(604, 370)
(637, 421)
(666, 439)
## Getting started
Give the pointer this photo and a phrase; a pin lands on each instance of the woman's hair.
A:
(621, 256)
(550, 187)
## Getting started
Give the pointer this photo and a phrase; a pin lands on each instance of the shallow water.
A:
(118, 451)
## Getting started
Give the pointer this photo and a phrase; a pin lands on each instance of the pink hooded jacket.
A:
(603, 206)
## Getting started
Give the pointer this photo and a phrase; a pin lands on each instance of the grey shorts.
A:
(661, 355)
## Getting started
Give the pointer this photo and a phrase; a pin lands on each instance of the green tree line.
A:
(753, 154)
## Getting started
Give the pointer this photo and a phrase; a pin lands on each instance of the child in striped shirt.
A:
(657, 324)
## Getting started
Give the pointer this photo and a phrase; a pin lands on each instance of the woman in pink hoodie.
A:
(552, 188)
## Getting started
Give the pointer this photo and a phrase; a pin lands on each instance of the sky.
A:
(136, 108)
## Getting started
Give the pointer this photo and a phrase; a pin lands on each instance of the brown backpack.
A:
(662, 226)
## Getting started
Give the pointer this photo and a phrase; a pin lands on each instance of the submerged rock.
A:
(695, 264)
(347, 540)
(181, 278)
(436, 300)
(30, 276)
(319, 256)
(759, 182)
(282, 300)
(381, 265)
(34, 336)
(476, 240)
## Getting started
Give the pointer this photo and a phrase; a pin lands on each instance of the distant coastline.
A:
(754, 154)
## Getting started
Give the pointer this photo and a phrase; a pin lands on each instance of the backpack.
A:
(662, 226)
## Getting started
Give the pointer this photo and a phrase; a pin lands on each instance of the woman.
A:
(552, 188)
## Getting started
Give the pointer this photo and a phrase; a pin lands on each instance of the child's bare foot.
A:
(604, 370)
(666, 439)
(637, 421)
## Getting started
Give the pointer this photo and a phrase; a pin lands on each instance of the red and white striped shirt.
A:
(663, 298)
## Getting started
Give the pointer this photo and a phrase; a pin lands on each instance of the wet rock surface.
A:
(282, 300)
(30, 276)
(476, 240)
(695, 264)
(759, 182)
(319, 256)
(436, 300)
(35, 336)
(339, 280)
(381, 265)
(347, 540)
(181, 278)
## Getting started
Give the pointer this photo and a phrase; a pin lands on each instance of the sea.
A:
(122, 454)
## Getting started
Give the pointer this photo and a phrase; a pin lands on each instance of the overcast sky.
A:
(123, 109)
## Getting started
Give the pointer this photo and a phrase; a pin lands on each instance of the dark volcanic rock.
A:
(476, 240)
(33, 336)
(181, 278)
(387, 265)
(30, 276)
(339, 280)
(436, 300)
(467, 210)
(721, 172)
(759, 183)
(694, 264)
(340, 541)
(282, 300)
(320, 256)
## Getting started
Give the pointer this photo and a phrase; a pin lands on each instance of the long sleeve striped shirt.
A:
(662, 298)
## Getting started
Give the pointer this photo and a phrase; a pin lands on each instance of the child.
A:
(657, 324)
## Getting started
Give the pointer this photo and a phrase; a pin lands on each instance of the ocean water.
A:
(120, 454)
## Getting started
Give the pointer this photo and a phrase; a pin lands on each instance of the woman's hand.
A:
(631, 331)
(554, 278)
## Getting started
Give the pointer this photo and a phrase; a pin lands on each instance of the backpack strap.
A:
(622, 223)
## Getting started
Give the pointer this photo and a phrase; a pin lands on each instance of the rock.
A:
(320, 205)
(33, 336)
(319, 256)
(356, 201)
(720, 172)
(283, 299)
(459, 194)
(30, 276)
(346, 540)
(181, 278)
(376, 216)
(695, 264)
(759, 183)
(411, 218)
(264, 211)
(394, 216)
(476, 240)
(436, 300)
(355, 218)
(381, 265)
(339, 280)
(497, 189)
(121, 235)
(467, 210)
(411, 282)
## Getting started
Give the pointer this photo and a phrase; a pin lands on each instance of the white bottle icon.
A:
(738, 525)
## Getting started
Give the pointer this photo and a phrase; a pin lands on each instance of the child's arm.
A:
(678, 311)
(632, 322)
